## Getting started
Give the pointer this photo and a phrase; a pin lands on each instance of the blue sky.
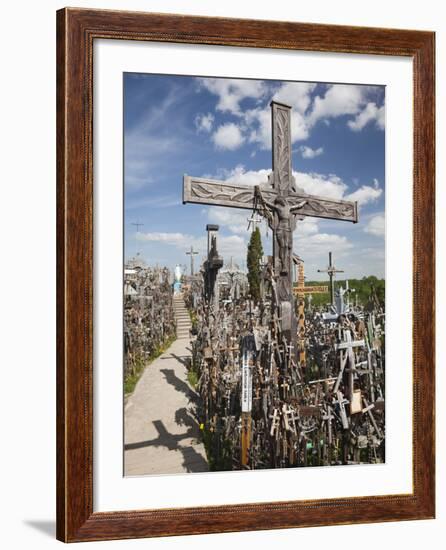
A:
(221, 128)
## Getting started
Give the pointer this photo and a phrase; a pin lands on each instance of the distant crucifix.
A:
(331, 270)
(281, 202)
(192, 253)
(137, 225)
(253, 221)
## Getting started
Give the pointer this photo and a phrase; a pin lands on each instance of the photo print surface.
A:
(254, 274)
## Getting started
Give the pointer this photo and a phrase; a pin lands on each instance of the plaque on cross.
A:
(280, 201)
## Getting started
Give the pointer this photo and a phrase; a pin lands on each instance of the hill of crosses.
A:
(282, 373)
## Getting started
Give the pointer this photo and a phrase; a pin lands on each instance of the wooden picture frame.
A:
(76, 31)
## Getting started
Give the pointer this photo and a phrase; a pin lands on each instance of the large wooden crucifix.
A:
(281, 202)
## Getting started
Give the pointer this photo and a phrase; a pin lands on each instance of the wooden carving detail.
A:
(282, 149)
(326, 208)
(222, 192)
(203, 191)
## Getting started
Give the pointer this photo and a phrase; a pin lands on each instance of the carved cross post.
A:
(281, 202)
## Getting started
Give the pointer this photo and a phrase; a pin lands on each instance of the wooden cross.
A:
(280, 201)
(300, 290)
(347, 356)
(192, 253)
(248, 345)
(331, 270)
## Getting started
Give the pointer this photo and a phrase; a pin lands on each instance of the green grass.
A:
(192, 378)
(131, 380)
(193, 319)
(219, 461)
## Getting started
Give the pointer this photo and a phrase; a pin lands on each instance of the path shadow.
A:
(45, 526)
(183, 359)
(164, 439)
(178, 384)
(186, 417)
(192, 460)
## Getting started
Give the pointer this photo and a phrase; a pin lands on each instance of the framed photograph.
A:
(245, 275)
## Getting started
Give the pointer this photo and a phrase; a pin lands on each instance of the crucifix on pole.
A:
(137, 225)
(331, 270)
(192, 253)
(281, 202)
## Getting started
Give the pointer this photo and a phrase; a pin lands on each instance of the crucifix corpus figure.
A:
(281, 202)
(282, 220)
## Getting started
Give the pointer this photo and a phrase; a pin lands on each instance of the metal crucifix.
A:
(281, 202)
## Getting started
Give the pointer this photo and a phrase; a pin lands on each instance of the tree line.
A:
(362, 288)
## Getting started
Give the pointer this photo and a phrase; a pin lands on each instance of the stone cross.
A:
(281, 202)
(331, 270)
(192, 253)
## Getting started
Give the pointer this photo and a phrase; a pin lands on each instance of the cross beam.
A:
(281, 202)
(220, 193)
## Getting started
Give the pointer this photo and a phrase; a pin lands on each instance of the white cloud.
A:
(309, 153)
(319, 243)
(366, 193)
(370, 113)
(347, 99)
(176, 239)
(308, 226)
(228, 136)
(376, 225)
(232, 245)
(330, 186)
(235, 220)
(204, 123)
(259, 122)
(231, 92)
(339, 99)
(246, 177)
(295, 94)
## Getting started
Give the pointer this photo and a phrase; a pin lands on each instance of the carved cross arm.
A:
(220, 193)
